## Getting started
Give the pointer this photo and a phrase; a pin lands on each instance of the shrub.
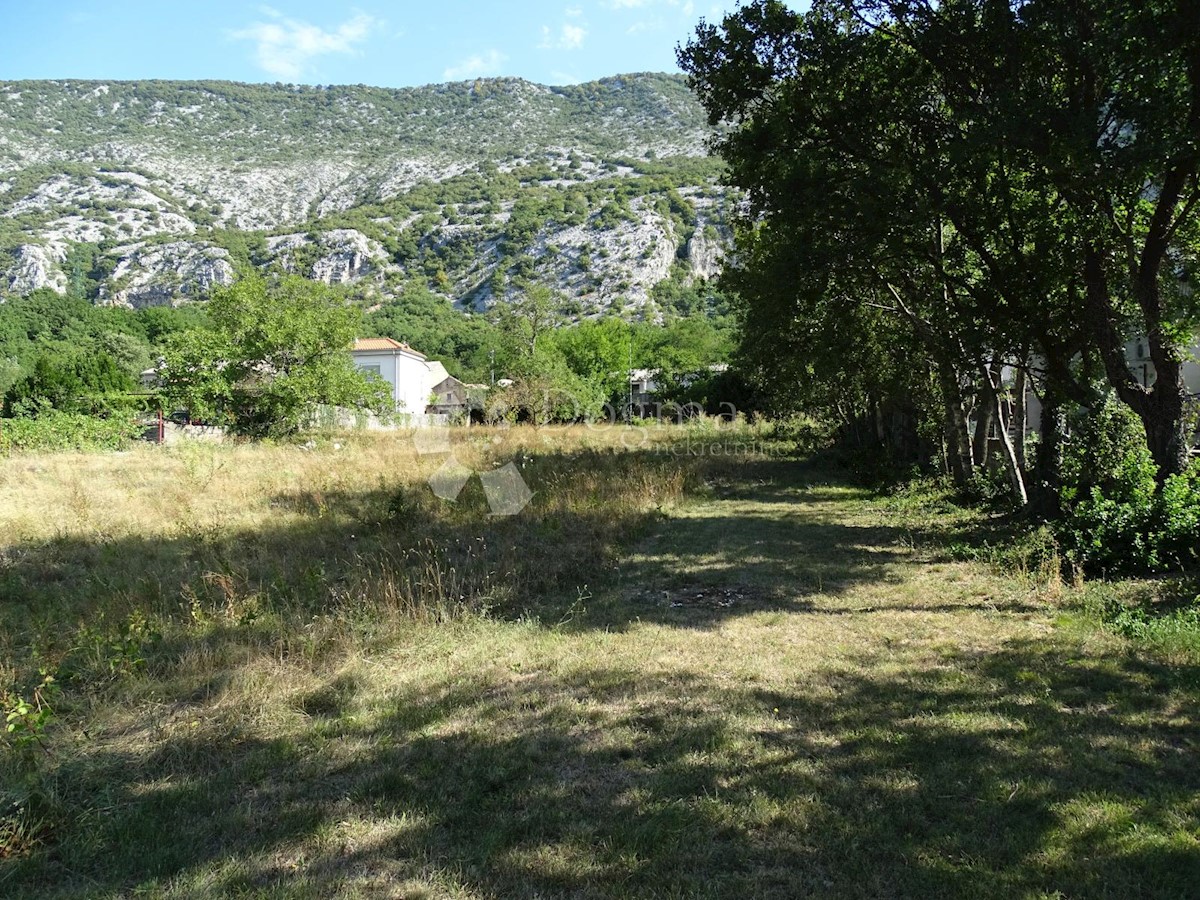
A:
(1167, 621)
(55, 430)
(1115, 519)
(90, 382)
(808, 433)
(1178, 524)
(989, 486)
(1175, 630)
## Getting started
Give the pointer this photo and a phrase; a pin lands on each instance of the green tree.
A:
(556, 378)
(92, 383)
(1004, 181)
(274, 352)
(598, 351)
(430, 323)
(523, 320)
(1097, 107)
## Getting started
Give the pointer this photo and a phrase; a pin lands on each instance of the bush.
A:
(91, 383)
(809, 434)
(989, 486)
(1115, 520)
(1176, 630)
(56, 431)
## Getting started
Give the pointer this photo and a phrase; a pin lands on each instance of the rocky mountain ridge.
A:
(151, 193)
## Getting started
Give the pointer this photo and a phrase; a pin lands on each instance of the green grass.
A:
(671, 676)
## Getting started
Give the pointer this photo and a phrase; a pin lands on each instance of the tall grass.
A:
(253, 544)
(251, 568)
(294, 671)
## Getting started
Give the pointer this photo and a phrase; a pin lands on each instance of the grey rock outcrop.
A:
(166, 274)
(706, 253)
(34, 266)
(344, 255)
(379, 187)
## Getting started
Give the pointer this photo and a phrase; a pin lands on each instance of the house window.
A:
(371, 370)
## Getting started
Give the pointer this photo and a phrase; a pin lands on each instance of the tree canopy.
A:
(275, 350)
(939, 193)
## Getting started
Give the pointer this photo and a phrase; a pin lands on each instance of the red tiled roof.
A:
(376, 344)
(384, 344)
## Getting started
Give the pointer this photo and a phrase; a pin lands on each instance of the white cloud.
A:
(284, 47)
(572, 36)
(569, 37)
(644, 26)
(476, 66)
(686, 7)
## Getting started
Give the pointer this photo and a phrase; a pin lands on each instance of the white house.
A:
(410, 374)
(644, 384)
(1137, 354)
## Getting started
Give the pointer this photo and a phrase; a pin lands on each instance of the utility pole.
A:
(492, 357)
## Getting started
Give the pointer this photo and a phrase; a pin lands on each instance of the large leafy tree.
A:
(1015, 182)
(854, 249)
(1097, 102)
(274, 351)
(598, 350)
(546, 386)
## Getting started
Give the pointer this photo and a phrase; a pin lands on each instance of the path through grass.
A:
(778, 689)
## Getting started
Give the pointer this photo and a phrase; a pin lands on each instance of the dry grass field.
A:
(691, 666)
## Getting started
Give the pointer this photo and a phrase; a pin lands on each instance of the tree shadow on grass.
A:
(1023, 772)
(782, 547)
(595, 781)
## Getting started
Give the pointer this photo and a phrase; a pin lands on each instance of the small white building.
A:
(1137, 354)
(644, 384)
(410, 374)
(1137, 357)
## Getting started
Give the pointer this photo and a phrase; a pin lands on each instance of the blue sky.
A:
(391, 44)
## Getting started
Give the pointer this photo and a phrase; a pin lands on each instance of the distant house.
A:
(420, 386)
(457, 400)
(1137, 357)
(645, 385)
(1137, 354)
(410, 374)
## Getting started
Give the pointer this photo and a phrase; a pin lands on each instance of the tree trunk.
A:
(958, 437)
(984, 412)
(1047, 465)
(1016, 481)
(1166, 429)
(1020, 418)
(1159, 407)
